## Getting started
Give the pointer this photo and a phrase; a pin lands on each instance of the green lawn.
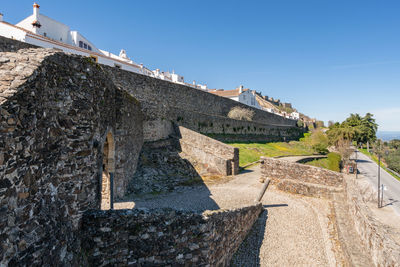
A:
(331, 163)
(375, 158)
(250, 152)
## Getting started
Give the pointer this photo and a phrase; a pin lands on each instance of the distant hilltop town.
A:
(43, 31)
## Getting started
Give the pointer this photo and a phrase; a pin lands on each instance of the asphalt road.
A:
(369, 170)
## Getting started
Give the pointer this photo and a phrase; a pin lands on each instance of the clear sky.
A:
(328, 58)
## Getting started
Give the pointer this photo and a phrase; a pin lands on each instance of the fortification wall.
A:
(199, 111)
(165, 237)
(56, 111)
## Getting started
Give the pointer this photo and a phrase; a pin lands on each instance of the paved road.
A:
(369, 170)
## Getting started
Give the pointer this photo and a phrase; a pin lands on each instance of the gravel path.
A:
(288, 232)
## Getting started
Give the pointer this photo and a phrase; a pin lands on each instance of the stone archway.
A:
(107, 172)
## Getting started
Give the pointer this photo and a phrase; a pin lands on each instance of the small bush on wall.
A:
(239, 113)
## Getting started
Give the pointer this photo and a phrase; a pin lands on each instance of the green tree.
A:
(394, 144)
(368, 129)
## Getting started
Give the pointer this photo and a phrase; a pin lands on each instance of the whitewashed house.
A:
(245, 96)
(295, 115)
(43, 31)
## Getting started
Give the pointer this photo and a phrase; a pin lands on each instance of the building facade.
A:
(43, 31)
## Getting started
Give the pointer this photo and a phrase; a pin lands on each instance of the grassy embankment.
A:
(251, 152)
(375, 159)
(331, 163)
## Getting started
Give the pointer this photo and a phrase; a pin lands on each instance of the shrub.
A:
(239, 113)
(319, 142)
(334, 161)
(393, 160)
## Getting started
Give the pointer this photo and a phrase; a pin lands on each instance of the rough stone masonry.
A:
(64, 126)
(56, 111)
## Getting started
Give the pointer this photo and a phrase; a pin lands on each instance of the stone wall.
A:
(382, 248)
(56, 111)
(165, 237)
(198, 110)
(162, 168)
(281, 169)
(9, 45)
(217, 157)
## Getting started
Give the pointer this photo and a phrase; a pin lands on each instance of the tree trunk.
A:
(368, 146)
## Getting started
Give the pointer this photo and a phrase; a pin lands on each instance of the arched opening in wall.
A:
(107, 178)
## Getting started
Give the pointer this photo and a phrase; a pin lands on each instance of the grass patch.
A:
(331, 163)
(250, 152)
(376, 160)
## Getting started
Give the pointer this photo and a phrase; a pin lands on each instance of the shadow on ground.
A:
(248, 254)
(165, 178)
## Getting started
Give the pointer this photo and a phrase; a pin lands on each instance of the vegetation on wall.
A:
(239, 113)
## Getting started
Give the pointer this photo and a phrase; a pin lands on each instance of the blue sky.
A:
(328, 58)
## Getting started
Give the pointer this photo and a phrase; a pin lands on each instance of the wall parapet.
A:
(281, 169)
(223, 158)
(164, 236)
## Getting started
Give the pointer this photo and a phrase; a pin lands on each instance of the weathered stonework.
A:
(218, 157)
(68, 125)
(317, 182)
(206, 113)
(165, 237)
(281, 169)
(161, 168)
(56, 111)
(382, 248)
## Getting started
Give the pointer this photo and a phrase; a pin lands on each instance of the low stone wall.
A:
(307, 189)
(165, 237)
(219, 157)
(382, 248)
(281, 169)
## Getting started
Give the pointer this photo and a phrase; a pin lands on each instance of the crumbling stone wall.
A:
(216, 157)
(56, 110)
(165, 237)
(162, 168)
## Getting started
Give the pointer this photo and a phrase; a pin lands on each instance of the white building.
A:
(295, 115)
(168, 76)
(40, 30)
(245, 96)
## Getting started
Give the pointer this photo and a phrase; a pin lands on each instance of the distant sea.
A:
(388, 135)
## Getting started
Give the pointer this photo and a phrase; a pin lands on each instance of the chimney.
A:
(36, 10)
(194, 82)
(1, 17)
(240, 89)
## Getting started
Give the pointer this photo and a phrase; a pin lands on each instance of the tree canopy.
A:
(354, 128)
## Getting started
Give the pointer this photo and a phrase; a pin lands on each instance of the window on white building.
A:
(45, 34)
